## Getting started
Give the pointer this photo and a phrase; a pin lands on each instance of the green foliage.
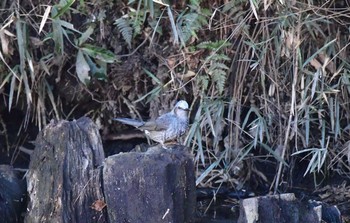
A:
(203, 82)
(184, 27)
(62, 8)
(209, 118)
(130, 25)
(287, 74)
(188, 24)
(124, 27)
(30, 76)
(153, 93)
(90, 60)
(209, 45)
(258, 128)
(215, 63)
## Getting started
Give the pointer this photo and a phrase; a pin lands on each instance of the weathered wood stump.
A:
(69, 182)
(12, 193)
(154, 186)
(276, 209)
(64, 178)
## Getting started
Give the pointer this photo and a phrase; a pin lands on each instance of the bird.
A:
(167, 127)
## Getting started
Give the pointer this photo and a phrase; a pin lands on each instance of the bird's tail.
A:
(129, 121)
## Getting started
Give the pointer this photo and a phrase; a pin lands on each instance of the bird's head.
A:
(181, 108)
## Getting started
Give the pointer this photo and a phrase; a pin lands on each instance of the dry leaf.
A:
(98, 205)
(4, 43)
(316, 64)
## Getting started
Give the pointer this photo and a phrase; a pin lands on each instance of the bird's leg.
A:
(163, 145)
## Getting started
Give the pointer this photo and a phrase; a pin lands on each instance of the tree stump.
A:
(12, 193)
(64, 178)
(66, 181)
(154, 186)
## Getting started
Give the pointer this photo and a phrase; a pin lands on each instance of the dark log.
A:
(153, 186)
(12, 195)
(64, 177)
(276, 209)
(222, 192)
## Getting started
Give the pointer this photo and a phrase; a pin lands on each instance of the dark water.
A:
(217, 211)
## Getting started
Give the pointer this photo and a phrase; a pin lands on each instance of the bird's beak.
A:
(185, 109)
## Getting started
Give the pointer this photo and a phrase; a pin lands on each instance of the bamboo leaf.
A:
(152, 76)
(86, 35)
(63, 8)
(317, 52)
(12, 90)
(45, 17)
(82, 68)
(99, 53)
(207, 171)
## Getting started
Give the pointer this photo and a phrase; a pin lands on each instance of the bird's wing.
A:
(160, 124)
(129, 121)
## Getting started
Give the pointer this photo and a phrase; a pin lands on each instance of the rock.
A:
(330, 213)
(64, 177)
(276, 209)
(153, 186)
